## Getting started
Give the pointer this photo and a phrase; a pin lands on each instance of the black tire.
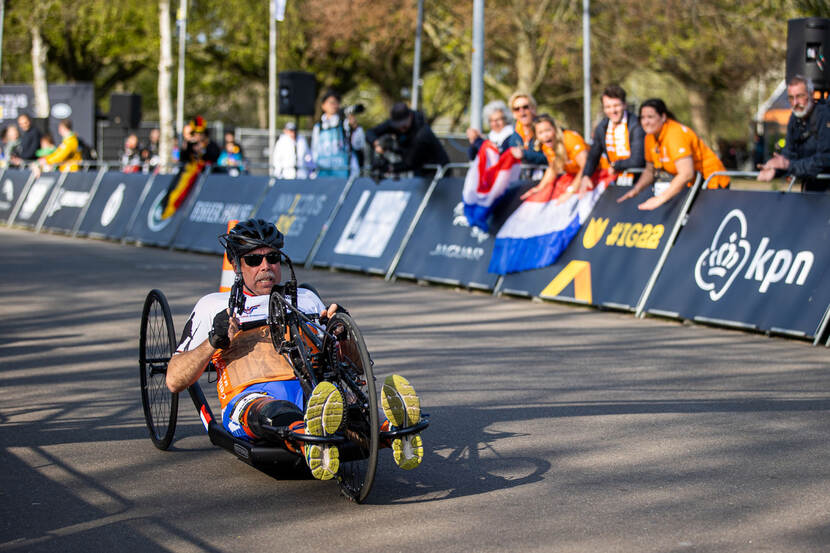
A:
(360, 457)
(156, 344)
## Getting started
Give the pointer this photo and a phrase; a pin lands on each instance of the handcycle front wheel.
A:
(353, 368)
(156, 344)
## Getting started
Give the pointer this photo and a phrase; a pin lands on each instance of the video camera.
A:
(354, 109)
(389, 164)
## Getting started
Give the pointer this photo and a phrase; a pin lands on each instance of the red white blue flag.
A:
(487, 180)
(540, 229)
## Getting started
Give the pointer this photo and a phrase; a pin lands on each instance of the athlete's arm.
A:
(186, 367)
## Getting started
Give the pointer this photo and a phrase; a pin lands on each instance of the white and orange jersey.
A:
(251, 358)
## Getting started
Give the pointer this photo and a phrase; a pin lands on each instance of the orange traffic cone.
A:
(226, 282)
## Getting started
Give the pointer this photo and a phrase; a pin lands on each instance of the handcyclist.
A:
(256, 385)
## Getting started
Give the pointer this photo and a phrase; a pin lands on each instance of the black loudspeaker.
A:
(125, 110)
(808, 44)
(297, 93)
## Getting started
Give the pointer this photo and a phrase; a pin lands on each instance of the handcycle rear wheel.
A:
(353, 366)
(156, 344)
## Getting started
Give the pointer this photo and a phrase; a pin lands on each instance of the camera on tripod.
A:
(388, 164)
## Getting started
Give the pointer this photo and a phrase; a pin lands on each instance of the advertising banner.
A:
(610, 260)
(757, 259)
(113, 204)
(36, 199)
(221, 198)
(445, 248)
(12, 184)
(300, 209)
(67, 204)
(149, 227)
(75, 101)
(373, 220)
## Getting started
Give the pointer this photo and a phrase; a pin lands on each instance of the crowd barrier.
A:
(752, 260)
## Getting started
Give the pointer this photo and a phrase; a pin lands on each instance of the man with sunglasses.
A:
(807, 150)
(256, 385)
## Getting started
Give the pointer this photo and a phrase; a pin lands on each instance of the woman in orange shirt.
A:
(565, 151)
(676, 150)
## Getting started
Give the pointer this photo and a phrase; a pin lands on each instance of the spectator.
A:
(408, 133)
(11, 146)
(67, 154)
(524, 110)
(675, 149)
(131, 155)
(149, 160)
(231, 138)
(331, 144)
(231, 159)
(291, 156)
(153, 142)
(198, 144)
(501, 134)
(47, 146)
(29, 137)
(807, 149)
(564, 150)
(619, 138)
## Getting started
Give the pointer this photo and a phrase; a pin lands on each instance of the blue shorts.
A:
(288, 390)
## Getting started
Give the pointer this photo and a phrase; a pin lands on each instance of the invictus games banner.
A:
(445, 248)
(221, 198)
(67, 203)
(759, 259)
(149, 226)
(371, 224)
(611, 259)
(12, 184)
(300, 209)
(113, 204)
(35, 199)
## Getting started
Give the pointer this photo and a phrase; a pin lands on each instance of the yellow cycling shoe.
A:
(402, 408)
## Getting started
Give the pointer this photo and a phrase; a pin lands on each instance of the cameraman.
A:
(417, 144)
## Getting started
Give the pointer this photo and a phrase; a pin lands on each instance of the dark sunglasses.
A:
(519, 108)
(255, 260)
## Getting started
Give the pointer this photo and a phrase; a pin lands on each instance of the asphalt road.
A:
(554, 428)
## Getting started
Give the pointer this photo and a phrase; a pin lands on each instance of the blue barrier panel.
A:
(148, 226)
(221, 198)
(371, 224)
(444, 248)
(67, 204)
(750, 259)
(11, 187)
(35, 200)
(611, 259)
(113, 204)
(300, 208)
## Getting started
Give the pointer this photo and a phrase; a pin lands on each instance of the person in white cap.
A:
(291, 155)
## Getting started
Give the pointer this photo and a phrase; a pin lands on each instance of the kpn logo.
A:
(723, 261)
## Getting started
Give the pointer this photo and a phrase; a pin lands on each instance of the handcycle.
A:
(336, 353)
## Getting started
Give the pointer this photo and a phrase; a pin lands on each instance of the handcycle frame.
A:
(336, 353)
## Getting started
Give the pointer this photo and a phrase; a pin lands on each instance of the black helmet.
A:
(250, 235)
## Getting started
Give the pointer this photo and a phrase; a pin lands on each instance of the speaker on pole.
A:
(297, 93)
(808, 44)
(125, 110)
